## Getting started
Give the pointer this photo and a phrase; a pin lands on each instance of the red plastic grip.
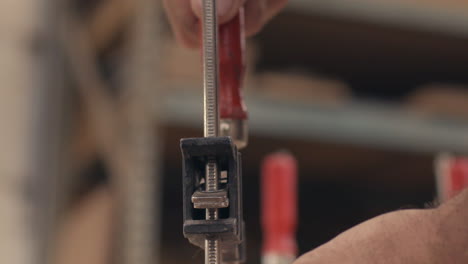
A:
(232, 68)
(458, 176)
(279, 204)
(451, 175)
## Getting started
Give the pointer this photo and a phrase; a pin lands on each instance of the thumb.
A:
(227, 9)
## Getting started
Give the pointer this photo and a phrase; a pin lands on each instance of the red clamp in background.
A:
(451, 174)
(279, 208)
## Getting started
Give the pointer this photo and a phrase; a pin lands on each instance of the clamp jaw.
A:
(229, 228)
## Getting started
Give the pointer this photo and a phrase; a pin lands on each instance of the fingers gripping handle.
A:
(233, 112)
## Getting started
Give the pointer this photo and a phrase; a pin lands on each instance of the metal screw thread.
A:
(212, 175)
(211, 185)
(212, 247)
(212, 255)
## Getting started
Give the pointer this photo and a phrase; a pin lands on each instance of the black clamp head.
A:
(229, 228)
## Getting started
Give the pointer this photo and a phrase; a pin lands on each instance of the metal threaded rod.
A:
(211, 185)
(211, 113)
(212, 249)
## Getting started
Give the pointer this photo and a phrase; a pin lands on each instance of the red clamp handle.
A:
(452, 175)
(232, 68)
(279, 204)
(233, 113)
(459, 176)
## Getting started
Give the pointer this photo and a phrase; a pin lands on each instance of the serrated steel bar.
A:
(211, 113)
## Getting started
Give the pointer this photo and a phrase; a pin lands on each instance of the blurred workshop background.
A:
(96, 95)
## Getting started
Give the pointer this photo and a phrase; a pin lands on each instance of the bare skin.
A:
(184, 16)
(432, 236)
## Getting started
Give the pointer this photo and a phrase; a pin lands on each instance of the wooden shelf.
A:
(358, 123)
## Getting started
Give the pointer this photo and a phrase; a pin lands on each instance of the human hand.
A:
(185, 14)
(429, 236)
